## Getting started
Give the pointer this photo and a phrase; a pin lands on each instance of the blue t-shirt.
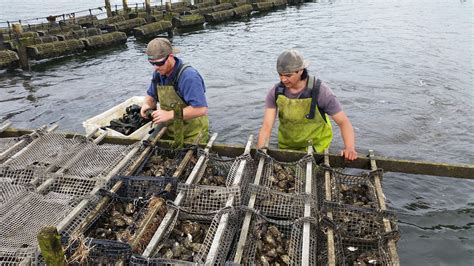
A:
(191, 86)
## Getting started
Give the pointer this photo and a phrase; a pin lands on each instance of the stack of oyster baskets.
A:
(186, 206)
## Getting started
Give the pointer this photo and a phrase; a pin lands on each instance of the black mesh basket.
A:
(165, 162)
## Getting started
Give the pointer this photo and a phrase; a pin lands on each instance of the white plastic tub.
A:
(115, 112)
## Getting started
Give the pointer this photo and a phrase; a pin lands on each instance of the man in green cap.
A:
(304, 104)
(174, 82)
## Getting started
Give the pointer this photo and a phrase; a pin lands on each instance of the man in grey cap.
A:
(304, 104)
(174, 82)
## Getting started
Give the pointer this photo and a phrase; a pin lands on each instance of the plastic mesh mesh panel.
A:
(9, 191)
(207, 199)
(353, 189)
(358, 223)
(164, 162)
(287, 177)
(202, 229)
(136, 191)
(268, 242)
(278, 204)
(23, 218)
(368, 253)
(98, 160)
(21, 176)
(233, 223)
(49, 149)
(74, 186)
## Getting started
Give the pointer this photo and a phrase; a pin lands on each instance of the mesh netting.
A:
(189, 237)
(9, 191)
(97, 160)
(287, 177)
(357, 190)
(139, 260)
(22, 219)
(366, 253)
(73, 185)
(49, 149)
(357, 223)
(164, 162)
(21, 176)
(319, 233)
(278, 204)
(7, 143)
(70, 228)
(108, 237)
(268, 242)
(92, 251)
(207, 199)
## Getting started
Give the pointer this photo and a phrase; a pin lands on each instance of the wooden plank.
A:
(362, 162)
(392, 246)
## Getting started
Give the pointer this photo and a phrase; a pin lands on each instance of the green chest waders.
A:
(192, 127)
(296, 129)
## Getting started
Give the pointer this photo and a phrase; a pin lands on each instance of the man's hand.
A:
(162, 116)
(145, 107)
(349, 154)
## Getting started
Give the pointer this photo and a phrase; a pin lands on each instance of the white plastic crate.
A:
(115, 112)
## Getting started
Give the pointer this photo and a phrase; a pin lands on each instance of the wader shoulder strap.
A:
(314, 98)
(279, 90)
(175, 80)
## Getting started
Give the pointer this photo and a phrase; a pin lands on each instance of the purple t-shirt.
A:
(327, 101)
(190, 85)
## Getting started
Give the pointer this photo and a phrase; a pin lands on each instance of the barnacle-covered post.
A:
(178, 125)
(21, 44)
(380, 197)
(148, 7)
(49, 242)
(108, 8)
(125, 8)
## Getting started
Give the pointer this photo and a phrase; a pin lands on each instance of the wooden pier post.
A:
(49, 242)
(108, 8)
(21, 46)
(1, 42)
(168, 6)
(125, 8)
(148, 7)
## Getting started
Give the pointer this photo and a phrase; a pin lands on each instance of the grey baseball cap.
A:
(291, 61)
(159, 48)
